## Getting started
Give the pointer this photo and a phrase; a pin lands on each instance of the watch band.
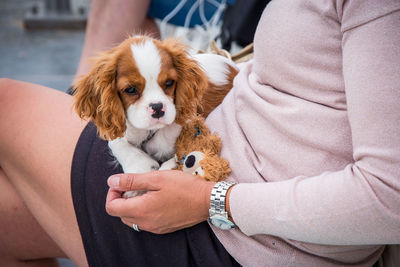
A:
(217, 199)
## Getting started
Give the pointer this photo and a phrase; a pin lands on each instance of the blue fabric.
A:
(161, 8)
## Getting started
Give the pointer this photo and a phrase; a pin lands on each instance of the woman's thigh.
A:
(38, 134)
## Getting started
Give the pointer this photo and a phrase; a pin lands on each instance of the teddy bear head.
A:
(197, 151)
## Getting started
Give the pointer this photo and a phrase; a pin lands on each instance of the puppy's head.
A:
(144, 82)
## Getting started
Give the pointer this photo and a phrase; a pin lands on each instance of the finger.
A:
(134, 182)
(121, 207)
(114, 200)
(113, 194)
(117, 207)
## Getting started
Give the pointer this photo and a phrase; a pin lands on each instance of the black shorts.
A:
(109, 242)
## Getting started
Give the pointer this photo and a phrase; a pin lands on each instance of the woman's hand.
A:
(174, 200)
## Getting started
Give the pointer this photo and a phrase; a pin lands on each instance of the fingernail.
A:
(113, 181)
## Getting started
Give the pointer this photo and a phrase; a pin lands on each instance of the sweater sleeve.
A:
(361, 203)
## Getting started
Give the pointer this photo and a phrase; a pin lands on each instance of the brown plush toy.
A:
(197, 151)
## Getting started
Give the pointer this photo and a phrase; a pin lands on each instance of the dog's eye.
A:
(131, 90)
(169, 83)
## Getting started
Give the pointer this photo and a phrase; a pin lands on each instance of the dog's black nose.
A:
(157, 110)
(189, 162)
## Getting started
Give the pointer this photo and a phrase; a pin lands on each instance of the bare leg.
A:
(38, 134)
(109, 23)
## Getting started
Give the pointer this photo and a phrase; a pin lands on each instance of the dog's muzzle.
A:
(158, 111)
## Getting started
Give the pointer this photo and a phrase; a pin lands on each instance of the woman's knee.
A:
(10, 100)
(5, 85)
(9, 93)
(7, 98)
(5, 81)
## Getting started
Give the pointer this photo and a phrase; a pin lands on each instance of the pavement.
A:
(45, 57)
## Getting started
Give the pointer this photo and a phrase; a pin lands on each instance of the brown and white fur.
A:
(140, 93)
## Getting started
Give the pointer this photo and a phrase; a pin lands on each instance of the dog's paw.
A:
(169, 164)
(140, 165)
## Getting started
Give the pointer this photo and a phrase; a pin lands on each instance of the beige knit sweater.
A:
(312, 132)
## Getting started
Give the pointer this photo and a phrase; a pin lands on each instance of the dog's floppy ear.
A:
(96, 97)
(191, 83)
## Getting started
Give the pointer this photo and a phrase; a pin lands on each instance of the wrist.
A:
(227, 204)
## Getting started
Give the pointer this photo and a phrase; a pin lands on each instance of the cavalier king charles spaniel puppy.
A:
(139, 94)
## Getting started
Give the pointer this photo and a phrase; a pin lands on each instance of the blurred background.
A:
(41, 41)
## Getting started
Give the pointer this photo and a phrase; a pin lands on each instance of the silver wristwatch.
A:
(218, 214)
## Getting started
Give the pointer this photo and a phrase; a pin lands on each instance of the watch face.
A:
(221, 222)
